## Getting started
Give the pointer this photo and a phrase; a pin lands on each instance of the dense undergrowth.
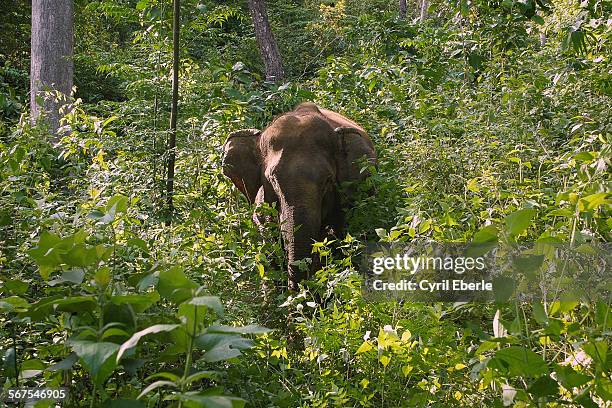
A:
(478, 123)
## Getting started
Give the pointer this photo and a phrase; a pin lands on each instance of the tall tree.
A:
(266, 42)
(402, 9)
(171, 150)
(51, 66)
(424, 8)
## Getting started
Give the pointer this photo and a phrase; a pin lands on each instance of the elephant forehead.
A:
(299, 130)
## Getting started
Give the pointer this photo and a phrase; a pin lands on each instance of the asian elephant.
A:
(298, 162)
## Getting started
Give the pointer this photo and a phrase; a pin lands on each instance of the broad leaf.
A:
(9, 362)
(518, 221)
(544, 386)
(250, 329)
(212, 302)
(521, 361)
(569, 378)
(133, 341)
(140, 302)
(123, 403)
(201, 375)
(14, 304)
(503, 288)
(205, 400)
(221, 346)
(598, 350)
(65, 364)
(540, 314)
(174, 285)
(97, 358)
(482, 242)
(156, 385)
(76, 304)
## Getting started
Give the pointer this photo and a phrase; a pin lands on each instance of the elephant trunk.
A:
(300, 225)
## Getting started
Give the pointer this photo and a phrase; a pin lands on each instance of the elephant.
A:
(299, 162)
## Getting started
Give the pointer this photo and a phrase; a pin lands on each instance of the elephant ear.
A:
(242, 161)
(353, 146)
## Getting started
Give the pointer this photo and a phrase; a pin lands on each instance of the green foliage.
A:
(486, 134)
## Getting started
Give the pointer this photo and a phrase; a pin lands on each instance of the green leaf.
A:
(364, 348)
(114, 332)
(44, 254)
(569, 378)
(164, 374)
(103, 276)
(80, 255)
(156, 385)
(540, 314)
(381, 232)
(123, 403)
(15, 286)
(6, 307)
(250, 329)
(585, 400)
(553, 327)
(598, 350)
(203, 400)
(211, 302)
(518, 221)
(9, 359)
(117, 204)
(482, 242)
(603, 387)
(521, 361)
(65, 364)
(41, 309)
(201, 375)
(76, 304)
(140, 302)
(142, 4)
(424, 226)
(31, 368)
(544, 386)
(98, 358)
(591, 202)
(14, 304)
(538, 19)
(582, 156)
(486, 346)
(174, 285)
(472, 184)
(503, 288)
(221, 346)
(73, 276)
(528, 264)
(192, 317)
(602, 312)
(562, 306)
(138, 243)
(560, 212)
(133, 341)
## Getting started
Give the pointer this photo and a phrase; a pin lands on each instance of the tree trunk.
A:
(51, 66)
(402, 9)
(171, 150)
(424, 7)
(266, 42)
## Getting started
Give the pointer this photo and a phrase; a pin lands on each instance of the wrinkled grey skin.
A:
(298, 162)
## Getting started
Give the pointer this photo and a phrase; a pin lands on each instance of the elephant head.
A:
(298, 162)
